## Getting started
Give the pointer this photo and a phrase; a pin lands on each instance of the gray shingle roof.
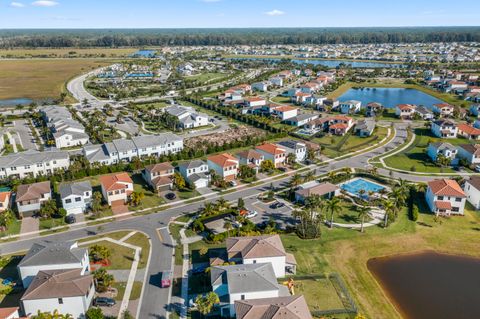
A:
(78, 188)
(192, 164)
(53, 254)
(32, 157)
(245, 278)
(291, 144)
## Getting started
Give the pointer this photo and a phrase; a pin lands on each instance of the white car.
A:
(477, 168)
(252, 213)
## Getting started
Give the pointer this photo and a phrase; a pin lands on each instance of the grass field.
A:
(320, 294)
(41, 79)
(67, 52)
(121, 257)
(416, 156)
(135, 293)
(335, 146)
(206, 77)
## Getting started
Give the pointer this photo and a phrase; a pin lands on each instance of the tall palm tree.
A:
(208, 209)
(362, 213)
(222, 203)
(334, 206)
(310, 176)
(390, 208)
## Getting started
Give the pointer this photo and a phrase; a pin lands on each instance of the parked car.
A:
(252, 214)
(70, 219)
(166, 280)
(104, 302)
(277, 205)
(170, 196)
(233, 183)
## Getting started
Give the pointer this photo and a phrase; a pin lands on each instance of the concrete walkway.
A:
(29, 225)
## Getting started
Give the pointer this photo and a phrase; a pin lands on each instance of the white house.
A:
(195, 172)
(444, 128)
(76, 197)
(116, 188)
(225, 165)
(159, 176)
(472, 191)
(445, 149)
(284, 112)
(251, 158)
(350, 107)
(187, 117)
(255, 101)
(261, 249)
(66, 290)
(274, 153)
(30, 197)
(66, 131)
(261, 86)
(297, 148)
(276, 80)
(470, 152)
(405, 111)
(445, 197)
(301, 119)
(443, 109)
(33, 163)
(59, 255)
(243, 282)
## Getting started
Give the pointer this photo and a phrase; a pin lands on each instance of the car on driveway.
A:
(170, 196)
(70, 219)
(104, 302)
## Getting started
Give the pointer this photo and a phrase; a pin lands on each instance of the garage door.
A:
(202, 183)
(76, 210)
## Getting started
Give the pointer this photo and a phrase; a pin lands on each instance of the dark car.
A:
(104, 302)
(277, 205)
(70, 219)
(170, 196)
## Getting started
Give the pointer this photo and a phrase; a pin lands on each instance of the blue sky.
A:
(235, 13)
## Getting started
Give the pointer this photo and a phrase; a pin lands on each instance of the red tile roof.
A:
(223, 160)
(446, 187)
(443, 205)
(271, 149)
(115, 181)
(468, 129)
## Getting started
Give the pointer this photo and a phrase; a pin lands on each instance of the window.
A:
(13, 168)
(242, 297)
(60, 301)
(68, 201)
(458, 199)
(440, 198)
(78, 199)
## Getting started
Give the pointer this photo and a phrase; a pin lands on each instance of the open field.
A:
(206, 77)
(66, 53)
(398, 83)
(41, 79)
(415, 157)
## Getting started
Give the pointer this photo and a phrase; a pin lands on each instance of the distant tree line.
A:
(185, 37)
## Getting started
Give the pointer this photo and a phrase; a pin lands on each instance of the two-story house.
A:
(159, 176)
(251, 158)
(472, 191)
(288, 307)
(350, 107)
(447, 150)
(224, 165)
(445, 197)
(470, 152)
(405, 111)
(195, 172)
(274, 153)
(116, 188)
(5, 196)
(76, 197)
(444, 128)
(299, 149)
(30, 198)
(33, 163)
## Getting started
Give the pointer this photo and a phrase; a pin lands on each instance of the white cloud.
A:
(45, 3)
(275, 12)
(17, 5)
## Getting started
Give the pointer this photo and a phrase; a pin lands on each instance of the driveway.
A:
(29, 224)
(25, 135)
(282, 215)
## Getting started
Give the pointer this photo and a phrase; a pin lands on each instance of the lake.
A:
(332, 63)
(14, 102)
(430, 284)
(390, 97)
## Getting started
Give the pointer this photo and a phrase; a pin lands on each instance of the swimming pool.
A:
(355, 187)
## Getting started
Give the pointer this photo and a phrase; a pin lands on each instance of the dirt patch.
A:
(239, 133)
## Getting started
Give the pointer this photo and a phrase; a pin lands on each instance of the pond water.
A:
(14, 102)
(390, 97)
(332, 63)
(430, 285)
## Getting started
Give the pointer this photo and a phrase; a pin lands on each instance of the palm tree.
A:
(310, 176)
(334, 206)
(362, 213)
(208, 209)
(227, 225)
(222, 203)
(390, 208)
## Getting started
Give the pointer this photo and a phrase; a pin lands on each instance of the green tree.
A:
(208, 209)
(136, 198)
(99, 252)
(48, 209)
(96, 202)
(179, 181)
(7, 218)
(291, 158)
(267, 166)
(94, 313)
(241, 203)
(334, 206)
(362, 214)
(227, 225)
(205, 303)
(103, 278)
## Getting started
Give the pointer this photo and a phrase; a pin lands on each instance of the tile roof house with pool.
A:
(289, 307)
(261, 249)
(405, 111)
(445, 197)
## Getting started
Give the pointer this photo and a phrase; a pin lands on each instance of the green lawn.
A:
(140, 240)
(135, 293)
(415, 157)
(49, 223)
(121, 257)
(13, 228)
(319, 293)
(151, 198)
(206, 77)
(335, 146)
(281, 99)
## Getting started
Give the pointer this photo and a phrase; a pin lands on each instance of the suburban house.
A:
(288, 307)
(350, 107)
(59, 255)
(445, 197)
(299, 149)
(472, 191)
(30, 198)
(5, 196)
(255, 101)
(470, 152)
(444, 128)
(373, 108)
(444, 149)
(301, 119)
(187, 117)
(340, 125)
(251, 158)
(66, 290)
(315, 101)
(10, 313)
(284, 112)
(424, 113)
(443, 109)
(364, 128)
(159, 176)
(116, 188)
(225, 165)
(66, 131)
(195, 172)
(261, 86)
(261, 249)
(273, 152)
(76, 197)
(300, 97)
(405, 111)
(243, 282)
(140, 146)
(468, 131)
(33, 163)
(475, 110)
(324, 190)
(276, 80)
